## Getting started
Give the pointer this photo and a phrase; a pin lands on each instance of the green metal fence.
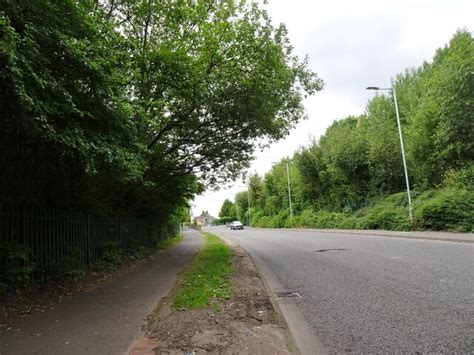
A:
(52, 236)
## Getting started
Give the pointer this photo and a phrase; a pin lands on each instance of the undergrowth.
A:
(169, 242)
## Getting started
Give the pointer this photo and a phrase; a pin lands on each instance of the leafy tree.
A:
(202, 71)
(384, 154)
(65, 129)
(227, 209)
(256, 193)
(309, 163)
(440, 137)
(344, 154)
(241, 205)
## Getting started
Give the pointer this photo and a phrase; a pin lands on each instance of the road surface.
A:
(368, 293)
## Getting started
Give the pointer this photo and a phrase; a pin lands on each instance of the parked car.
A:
(236, 225)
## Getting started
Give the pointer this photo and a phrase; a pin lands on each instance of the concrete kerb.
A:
(300, 336)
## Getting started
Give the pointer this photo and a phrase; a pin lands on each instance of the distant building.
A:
(204, 219)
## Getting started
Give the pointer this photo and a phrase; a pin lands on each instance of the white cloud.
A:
(352, 44)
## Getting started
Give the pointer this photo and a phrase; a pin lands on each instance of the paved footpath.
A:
(107, 320)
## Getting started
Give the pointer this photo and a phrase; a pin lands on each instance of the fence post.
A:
(88, 239)
(22, 238)
(120, 231)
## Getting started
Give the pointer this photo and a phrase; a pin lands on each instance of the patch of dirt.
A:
(246, 323)
(37, 298)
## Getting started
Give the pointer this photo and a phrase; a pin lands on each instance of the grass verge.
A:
(208, 277)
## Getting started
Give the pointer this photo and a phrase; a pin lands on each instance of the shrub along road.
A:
(370, 294)
(107, 320)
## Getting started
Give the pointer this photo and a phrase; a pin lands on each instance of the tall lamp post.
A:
(392, 90)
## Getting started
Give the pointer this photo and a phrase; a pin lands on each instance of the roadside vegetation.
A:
(352, 176)
(107, 108)
(208, 277)
(118, 113)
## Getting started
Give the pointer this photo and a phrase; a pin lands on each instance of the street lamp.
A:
(392, 90)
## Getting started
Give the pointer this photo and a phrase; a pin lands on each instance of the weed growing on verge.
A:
(208, 276)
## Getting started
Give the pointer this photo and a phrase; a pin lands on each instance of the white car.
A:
(236, 225)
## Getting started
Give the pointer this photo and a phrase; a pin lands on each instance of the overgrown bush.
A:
(70, 265)
(281, 219)
(461, 179)
(385, 215)
(351, 222)
(135, 250)
(259, 220)
(112, 253)
(223, 220)
(443, 209)
(447, 209)
(17, 265)
(327, 219)
(170, 241)
(319, 219)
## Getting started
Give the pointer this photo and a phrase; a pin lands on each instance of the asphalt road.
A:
(372, 294)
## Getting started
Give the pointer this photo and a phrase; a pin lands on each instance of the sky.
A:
(351, 45)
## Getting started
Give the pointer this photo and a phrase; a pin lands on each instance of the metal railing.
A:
(51, 236)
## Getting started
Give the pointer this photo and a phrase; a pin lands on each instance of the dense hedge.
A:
(443, 209)
(447, 209)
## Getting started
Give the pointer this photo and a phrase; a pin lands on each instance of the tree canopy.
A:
(227, 209)
(131, 107)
